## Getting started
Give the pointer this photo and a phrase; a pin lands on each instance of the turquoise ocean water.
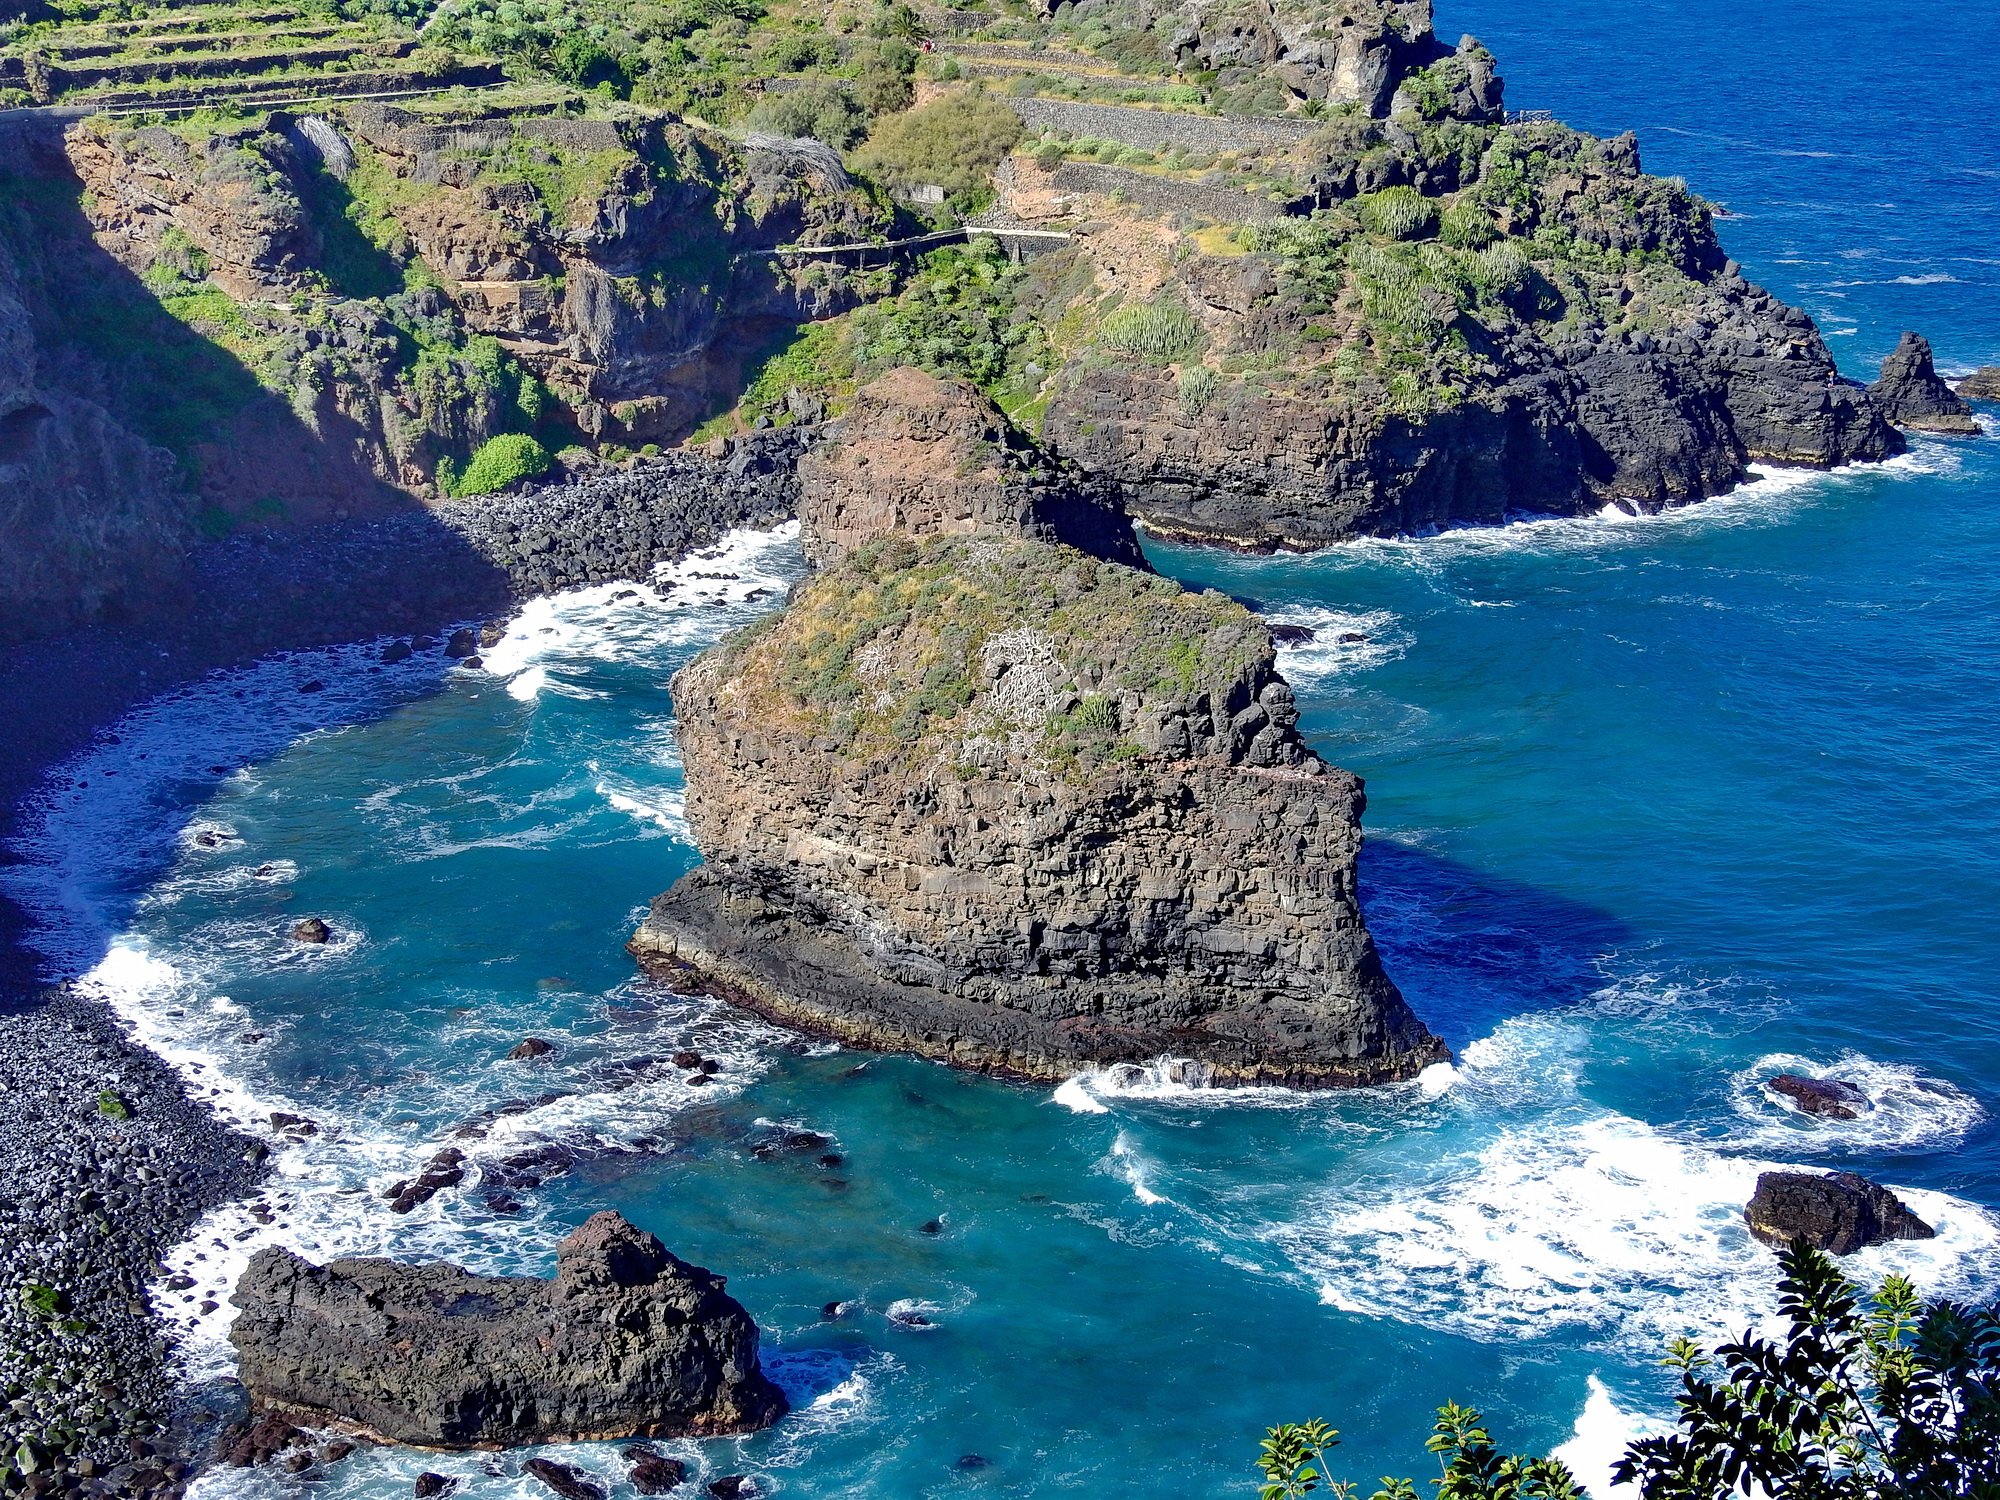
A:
(1657, 807)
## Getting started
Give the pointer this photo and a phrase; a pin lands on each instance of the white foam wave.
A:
(109, 819)
(1590, 1223)
(1603, 1431)
(327, 1195)
(1165, 1080)
(1344, 642)
(665, 807)
(1908, 1110)
(1771, 494)
(1130, 1166)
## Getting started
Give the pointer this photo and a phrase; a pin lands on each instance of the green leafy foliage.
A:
(44, 1301)
(1162, 328)
(822, 110)
(955, 316)
(953, 142)
(500, 462)
(111, 1107)
(1293, 1462)
(1397, 213)
(1197, 387)
(1864, 1397)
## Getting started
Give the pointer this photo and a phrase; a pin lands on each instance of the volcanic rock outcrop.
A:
(1001, 803)
(1479, 317)
(922, 454)
(625, 1341)
(1839, 1212)
(1914, 395)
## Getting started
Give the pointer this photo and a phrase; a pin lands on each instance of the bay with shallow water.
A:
(1658, 807)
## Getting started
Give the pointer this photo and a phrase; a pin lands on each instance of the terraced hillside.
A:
(205, 53)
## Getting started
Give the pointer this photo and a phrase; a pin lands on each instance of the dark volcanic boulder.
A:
(1913, 395)
(1832, 1098)
(921, 454)
(1839, 1213)
(625, 1341)
(1001, 804)
(1983, 384)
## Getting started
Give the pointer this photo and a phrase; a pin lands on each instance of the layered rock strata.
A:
(997, 802)
(922, 454)
(625, 1341)
(1913, 395)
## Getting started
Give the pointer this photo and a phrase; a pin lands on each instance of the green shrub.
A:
(1502, 272)
(824, 111)
(45, 1301)
(111, 1107)
(503, 461)
(1197, 388)
(955, 316)
(1162, 328)
(1397, 213)
(883, 83)
(1465, 225)
(954, 142)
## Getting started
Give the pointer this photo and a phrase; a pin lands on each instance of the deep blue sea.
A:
(1657, 808)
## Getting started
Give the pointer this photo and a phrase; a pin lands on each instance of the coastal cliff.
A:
(993, 800)
(1453, 319)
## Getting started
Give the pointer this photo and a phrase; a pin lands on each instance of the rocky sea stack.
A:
(625, 1341)
(1000, 802)
(1915, 396)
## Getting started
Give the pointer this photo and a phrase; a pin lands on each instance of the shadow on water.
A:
(1470, 949)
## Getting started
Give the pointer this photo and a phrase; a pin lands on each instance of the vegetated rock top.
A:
(908, 653)
(917, 453)
(1000, 803)
(626, 1340)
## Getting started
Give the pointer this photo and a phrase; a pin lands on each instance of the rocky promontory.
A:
(920, 453)
(625, 1341)
(1001, 802)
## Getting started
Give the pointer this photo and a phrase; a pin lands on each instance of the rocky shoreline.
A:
(108, 1160)
(106, 1163)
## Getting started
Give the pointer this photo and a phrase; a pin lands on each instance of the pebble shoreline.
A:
(106, 1161)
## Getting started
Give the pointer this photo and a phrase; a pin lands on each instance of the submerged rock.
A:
(1838, 1213)
(1832, 1098)
(570, 1483)
(625, 1341)
(999, 803)
(529, 1047)
(922, 454)
(312, 930)
(1913, 395)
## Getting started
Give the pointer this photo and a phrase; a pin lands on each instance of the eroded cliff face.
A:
(1000, 803)
(921, 454)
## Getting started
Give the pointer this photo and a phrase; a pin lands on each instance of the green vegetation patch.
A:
(886, 653)
(954, 142)
(502, 462)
